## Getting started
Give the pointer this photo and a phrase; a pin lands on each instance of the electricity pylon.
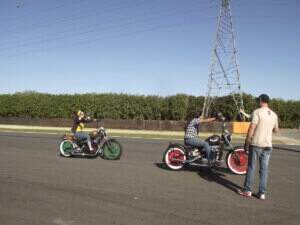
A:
(224, 76)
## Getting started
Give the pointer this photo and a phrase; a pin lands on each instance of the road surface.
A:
(39, 187)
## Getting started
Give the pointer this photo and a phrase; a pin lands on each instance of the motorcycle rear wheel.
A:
(174, 158)
(237, 161)
(66, 148)
(112, 150)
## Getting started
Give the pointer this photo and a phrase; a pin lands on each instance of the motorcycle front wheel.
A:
(174, 158)
(112, 150)
(237, 161)
(65, 148)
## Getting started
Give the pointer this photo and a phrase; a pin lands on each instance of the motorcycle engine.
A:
(216, 151)
(213, 140)
(194, 153)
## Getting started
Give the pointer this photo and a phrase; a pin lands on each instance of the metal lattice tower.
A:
(224, 76)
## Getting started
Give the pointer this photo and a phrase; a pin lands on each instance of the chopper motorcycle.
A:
(178, 156)
(104, 146)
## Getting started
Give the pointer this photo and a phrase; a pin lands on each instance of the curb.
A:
(146, 134)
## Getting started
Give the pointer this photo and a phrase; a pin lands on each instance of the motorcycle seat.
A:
(70, 137)
(75, 138)
(189, 146)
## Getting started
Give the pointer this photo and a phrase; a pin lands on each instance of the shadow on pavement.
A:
(185, 169)
(214, 175)
(217, 175)
(161, 166)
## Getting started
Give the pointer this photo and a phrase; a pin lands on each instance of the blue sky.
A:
(157, 47)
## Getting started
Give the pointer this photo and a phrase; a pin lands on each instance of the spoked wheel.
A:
(174, 158)
(66, 148)
(112, 150)
(237, 161)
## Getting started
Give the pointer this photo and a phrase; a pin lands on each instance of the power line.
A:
(104, 37)
(101, 38)
(44, 10)
(72, 23)
(131, 21)
(75, 16)
(65, 19)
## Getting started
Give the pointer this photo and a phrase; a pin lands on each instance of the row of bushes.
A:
(123, 106)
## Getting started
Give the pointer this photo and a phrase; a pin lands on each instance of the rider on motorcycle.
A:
(192, 131)
(78, 126)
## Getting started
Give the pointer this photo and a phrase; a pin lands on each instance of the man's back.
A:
(266, 121)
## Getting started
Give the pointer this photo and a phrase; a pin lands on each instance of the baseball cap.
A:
(263, 98)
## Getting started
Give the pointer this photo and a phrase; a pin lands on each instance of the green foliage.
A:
(124, 106)
(177, 105)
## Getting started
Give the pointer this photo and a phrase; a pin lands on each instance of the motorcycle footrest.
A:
(200, 164)
(192, 160)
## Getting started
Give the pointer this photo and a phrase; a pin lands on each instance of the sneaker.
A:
(245, 193)
(262, 196)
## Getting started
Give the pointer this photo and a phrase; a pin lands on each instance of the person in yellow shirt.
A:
(78, 126)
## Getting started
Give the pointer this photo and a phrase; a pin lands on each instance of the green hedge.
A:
(123, 106)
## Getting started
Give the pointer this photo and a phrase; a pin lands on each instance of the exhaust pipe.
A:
(187, 161)
(85, 154)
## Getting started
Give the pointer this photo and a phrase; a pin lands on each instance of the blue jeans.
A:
(263, 155)
(82, 136)
(200, 144)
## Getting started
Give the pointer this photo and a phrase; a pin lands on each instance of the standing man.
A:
(259, 142)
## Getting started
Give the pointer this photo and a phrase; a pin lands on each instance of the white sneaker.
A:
(262, 196)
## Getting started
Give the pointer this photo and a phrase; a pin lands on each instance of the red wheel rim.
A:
(238, 161)
(177, 155)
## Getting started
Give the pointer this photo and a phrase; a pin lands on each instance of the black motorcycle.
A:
(104, 146)
(177, 156)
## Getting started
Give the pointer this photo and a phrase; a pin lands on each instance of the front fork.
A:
(102, 142)
(75, 146)
(229, 147)
(236, 156)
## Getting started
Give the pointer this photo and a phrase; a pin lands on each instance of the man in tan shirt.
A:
(259, 142)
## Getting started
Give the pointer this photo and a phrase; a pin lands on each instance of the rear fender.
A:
(68, 137)
(177, 145)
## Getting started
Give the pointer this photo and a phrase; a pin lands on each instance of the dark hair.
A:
(197, 114)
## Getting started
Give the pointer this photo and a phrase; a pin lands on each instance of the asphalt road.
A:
(38, 187)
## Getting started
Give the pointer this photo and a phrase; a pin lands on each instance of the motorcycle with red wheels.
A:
(177, 156)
